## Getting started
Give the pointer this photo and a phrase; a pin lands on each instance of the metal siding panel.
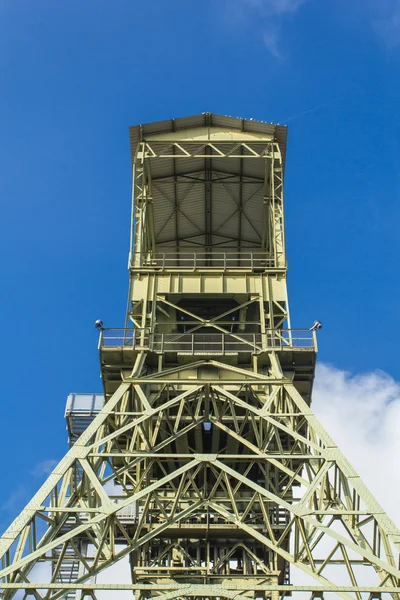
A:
(249, 125)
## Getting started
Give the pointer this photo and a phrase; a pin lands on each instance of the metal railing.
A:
(209, 343)
(206, 260)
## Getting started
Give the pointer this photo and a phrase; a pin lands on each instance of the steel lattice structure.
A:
(206, 465)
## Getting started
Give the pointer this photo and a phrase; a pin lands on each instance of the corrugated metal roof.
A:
(140, 132)
(207, 198)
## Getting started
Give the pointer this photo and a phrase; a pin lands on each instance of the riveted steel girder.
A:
(206, 465)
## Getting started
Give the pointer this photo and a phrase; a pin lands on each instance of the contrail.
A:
(310, 110)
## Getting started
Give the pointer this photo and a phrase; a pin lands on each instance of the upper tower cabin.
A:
(208, 194)
(207, 258)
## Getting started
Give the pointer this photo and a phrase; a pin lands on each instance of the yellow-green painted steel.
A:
(206, 466)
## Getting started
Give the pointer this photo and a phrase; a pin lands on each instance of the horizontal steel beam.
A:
(198, 589)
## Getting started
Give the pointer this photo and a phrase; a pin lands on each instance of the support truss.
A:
(206, 469)
(275, 478)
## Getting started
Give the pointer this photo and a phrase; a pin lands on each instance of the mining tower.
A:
(202, 465)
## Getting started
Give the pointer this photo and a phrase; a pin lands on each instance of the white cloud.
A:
(117, 573)
(271, 39)
(272, 7)
(361, 412)
(21, 495)
(269, 15)
(362, 415)
(387, 24)
(44, 468)
(17, 497)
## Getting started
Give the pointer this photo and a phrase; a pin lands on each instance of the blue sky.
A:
(75, 75)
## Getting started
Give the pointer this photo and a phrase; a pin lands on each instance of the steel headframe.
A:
(206, 465)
